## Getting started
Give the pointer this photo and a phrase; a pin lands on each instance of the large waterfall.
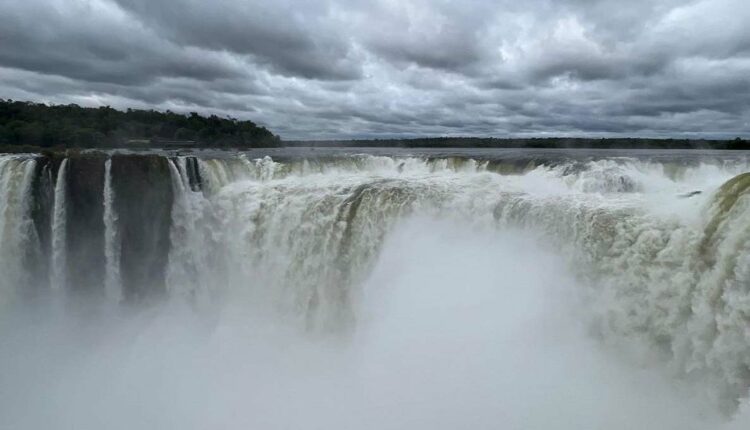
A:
(658, 251)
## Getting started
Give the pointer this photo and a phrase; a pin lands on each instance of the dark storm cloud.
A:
(291, 37)
(334, 68)
(98, 44)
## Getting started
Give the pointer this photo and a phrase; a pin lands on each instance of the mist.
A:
(459, 327)
(373, 291)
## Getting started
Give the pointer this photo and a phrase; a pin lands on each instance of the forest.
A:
(40, 125)
(36, 125)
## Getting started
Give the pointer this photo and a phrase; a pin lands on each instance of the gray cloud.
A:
(291, 37)
(340, 69)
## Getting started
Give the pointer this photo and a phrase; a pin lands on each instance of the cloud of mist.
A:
(457, 328)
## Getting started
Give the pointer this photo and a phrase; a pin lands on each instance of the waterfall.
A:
(190, 272)
(303, 239)
(298, 239)
(16, 230)
(58, 274)
(113, 283)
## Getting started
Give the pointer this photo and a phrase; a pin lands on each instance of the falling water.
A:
(58, 274)
(16, 231)
(193, 254)
(452, 290)
(111, 239)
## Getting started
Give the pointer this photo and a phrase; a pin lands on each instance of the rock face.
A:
(143, 201)
(85, 223)
(42, 201)
(143, 196)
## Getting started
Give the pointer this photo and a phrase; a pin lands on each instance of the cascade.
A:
(59, 274)
(298, 238)
(113, 285)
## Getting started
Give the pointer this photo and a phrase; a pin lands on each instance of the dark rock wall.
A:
(85, 223)
(37, 258)
(193, 173)
(143, 201)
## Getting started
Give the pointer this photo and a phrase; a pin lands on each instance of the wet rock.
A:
(143, 201)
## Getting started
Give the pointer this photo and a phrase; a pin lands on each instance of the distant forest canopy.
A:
(541, 142)
(41, 125)
(25, 125)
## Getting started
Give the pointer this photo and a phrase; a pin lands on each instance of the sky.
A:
(336, 69)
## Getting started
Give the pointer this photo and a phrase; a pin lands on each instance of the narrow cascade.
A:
(113, 283)
(59, 272)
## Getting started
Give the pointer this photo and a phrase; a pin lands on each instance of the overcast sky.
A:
(381, 68)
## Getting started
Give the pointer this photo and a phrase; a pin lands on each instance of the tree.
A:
(26, 123)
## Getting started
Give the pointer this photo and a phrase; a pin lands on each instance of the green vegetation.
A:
(25, 126)
(40, 125)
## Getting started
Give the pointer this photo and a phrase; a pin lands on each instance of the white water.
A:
(113, 284)
(190, 274)
(459, 329)
(302, 240)
(376, 292)
(58, 274)
(16, 230)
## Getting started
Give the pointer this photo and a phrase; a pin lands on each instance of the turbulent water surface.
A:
(302, 288)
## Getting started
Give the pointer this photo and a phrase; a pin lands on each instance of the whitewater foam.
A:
(308, 246)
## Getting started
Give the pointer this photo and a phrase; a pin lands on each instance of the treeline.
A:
(552, 142)
(40, 125)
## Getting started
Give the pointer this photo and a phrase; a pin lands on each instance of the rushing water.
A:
(410, 289)
(112, 239)
(15, 226)
(59, 275)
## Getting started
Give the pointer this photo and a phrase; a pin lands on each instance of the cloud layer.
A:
(385, 68)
